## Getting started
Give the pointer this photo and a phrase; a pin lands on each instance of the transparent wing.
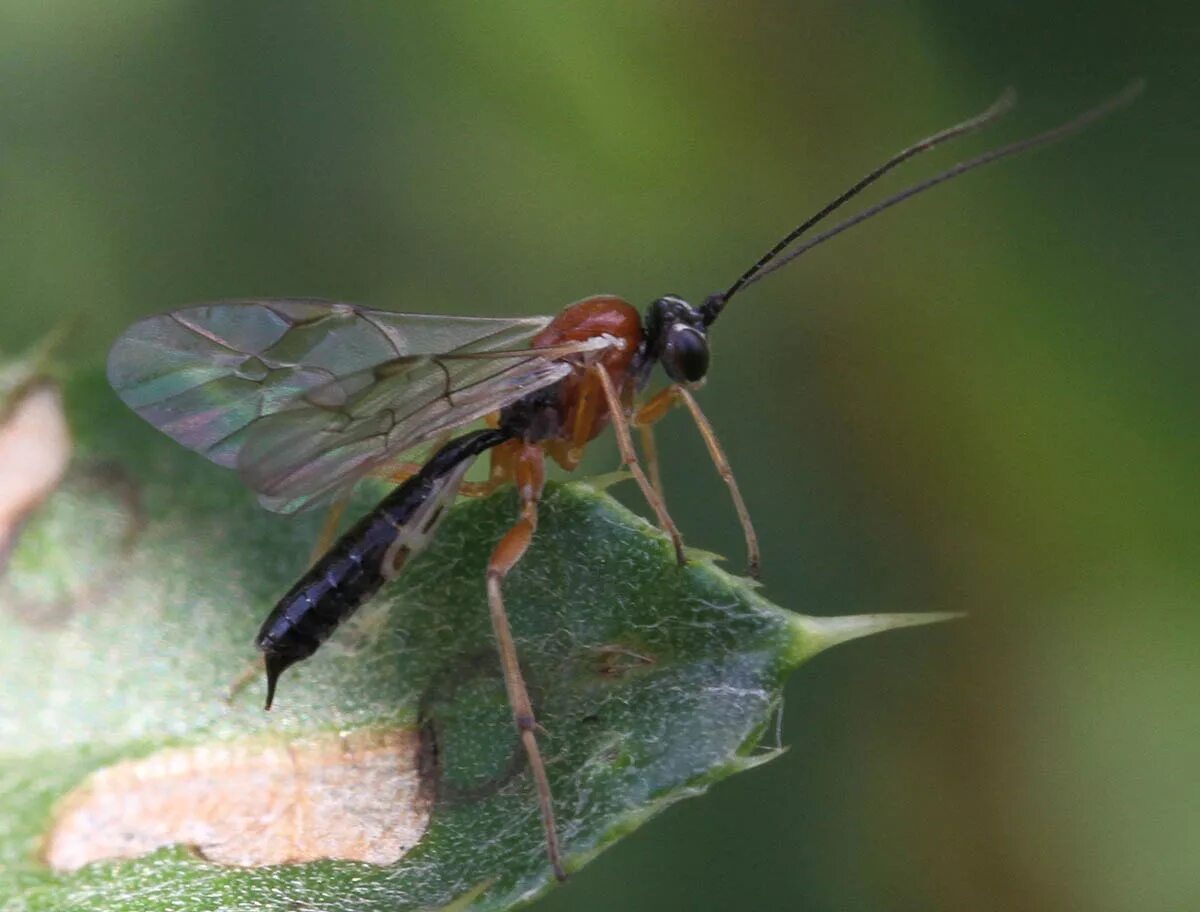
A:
(304, 397)
(304, 456)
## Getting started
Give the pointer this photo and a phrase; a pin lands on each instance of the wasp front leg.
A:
(630, 458)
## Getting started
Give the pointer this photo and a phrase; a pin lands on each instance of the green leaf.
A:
(128, 606)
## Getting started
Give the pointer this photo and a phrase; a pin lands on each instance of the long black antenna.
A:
(772, 261)
(998, 109)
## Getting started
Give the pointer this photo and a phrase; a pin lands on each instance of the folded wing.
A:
(304, 397)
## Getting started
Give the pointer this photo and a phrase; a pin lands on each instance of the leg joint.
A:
(525, 721)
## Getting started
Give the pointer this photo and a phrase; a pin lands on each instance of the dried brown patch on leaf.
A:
(35, 447)
(359, 796)
(73, 548)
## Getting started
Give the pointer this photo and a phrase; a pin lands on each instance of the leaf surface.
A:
(127, 607)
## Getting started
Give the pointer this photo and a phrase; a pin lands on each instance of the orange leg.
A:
(329, 528)
(586, 409)
(650, 452)
(568, 451)
(530, 470)
(722, 463)
(478, 488)
(503, 462)
(656, 409)
(630, 458)
(644, 419)
(399, 472)
(403, 471)
(249, 673)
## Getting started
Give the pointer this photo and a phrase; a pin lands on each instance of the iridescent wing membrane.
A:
(305, 397)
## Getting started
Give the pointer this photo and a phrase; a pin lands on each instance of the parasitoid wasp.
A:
(306, 397)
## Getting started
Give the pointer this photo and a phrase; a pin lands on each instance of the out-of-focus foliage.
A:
(984, 401)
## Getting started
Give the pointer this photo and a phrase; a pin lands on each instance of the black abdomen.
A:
(368, 555)
(342, 580)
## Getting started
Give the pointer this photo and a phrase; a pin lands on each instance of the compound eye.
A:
(685, 357)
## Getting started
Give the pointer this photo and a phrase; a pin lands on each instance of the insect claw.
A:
(680, 557)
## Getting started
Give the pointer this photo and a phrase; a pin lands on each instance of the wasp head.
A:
(677, 336)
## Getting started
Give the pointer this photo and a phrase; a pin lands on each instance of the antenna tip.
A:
(1006, 102)
(1126, 96)
(1133, 90)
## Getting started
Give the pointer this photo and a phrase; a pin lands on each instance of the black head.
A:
(677, 335)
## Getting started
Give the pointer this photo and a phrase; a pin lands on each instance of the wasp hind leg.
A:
(530, 478)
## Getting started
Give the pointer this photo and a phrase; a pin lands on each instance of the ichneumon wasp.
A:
(304, 398)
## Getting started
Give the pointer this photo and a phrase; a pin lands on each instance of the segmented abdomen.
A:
(342, 580)
(368, 555)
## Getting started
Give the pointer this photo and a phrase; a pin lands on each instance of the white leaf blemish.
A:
(361, 796)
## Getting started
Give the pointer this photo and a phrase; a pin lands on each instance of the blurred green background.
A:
(984, 401)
